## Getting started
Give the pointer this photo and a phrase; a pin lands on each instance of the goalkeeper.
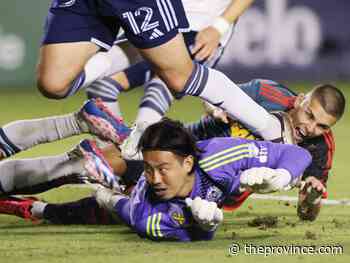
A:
(185, 183)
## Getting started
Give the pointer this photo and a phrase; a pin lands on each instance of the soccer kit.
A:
(272, 96)
(199, 16)
(147, 23)
(216, 177)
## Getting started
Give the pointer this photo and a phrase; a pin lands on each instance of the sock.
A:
(108, 90)
(214, 87)
(83, 211)
(119, 60)
(138, 74)
(31, 176)
(37, 209)
(98, 66)
(155, 102)
(24, 134)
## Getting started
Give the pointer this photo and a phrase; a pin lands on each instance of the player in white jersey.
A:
(211, 26)
(74, 28)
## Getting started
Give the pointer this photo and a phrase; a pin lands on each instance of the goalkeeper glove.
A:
(205, 213)
(265, 180)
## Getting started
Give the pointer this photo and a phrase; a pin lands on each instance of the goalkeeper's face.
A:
(168, 174)
(310, 119)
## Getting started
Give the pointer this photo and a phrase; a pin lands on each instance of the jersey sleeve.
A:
(122, 209)
(172, 226)
(222, 159)
(292, 158)
(269, 94)
(322, 151)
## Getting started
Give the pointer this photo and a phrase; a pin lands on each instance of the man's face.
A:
(310, 119)
(168, 174)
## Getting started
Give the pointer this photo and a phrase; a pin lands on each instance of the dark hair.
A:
(331, 99)
(169, 135)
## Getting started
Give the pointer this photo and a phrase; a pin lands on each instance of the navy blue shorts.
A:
(147, 23)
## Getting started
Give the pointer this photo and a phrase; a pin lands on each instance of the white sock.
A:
(119, 60)
(96, 67)
(214, 87)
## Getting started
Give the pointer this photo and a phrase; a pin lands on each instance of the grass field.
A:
(24, 242)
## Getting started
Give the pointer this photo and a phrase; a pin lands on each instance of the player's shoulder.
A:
(219, 143)
(320, 145)
(270, 94)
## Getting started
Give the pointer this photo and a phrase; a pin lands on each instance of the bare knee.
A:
(51, 87)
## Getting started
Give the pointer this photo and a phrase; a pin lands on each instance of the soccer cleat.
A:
(129, 146)
(20, 207)
(96, 118)
(98, 169)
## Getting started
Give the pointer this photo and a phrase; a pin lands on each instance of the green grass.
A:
(24, 242)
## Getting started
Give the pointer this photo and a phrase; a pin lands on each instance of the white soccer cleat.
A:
(129, 146)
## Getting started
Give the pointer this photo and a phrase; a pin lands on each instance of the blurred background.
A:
(294, 40)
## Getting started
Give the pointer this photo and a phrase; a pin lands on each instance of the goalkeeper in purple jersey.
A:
(185, 182)
(184, 185)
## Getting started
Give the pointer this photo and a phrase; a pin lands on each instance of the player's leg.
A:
(68, 60)
(209, 84)
(154, 105)
(31, 176)
(109, 88)
(93, 118)
(164, 48)
(36, 175)
(85, 211)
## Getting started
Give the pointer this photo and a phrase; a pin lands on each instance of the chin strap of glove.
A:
(205, 213)
(265, 180)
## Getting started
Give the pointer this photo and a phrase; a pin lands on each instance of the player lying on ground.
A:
(312, 114)
(326, 105)
(30, 176)
(185, 182)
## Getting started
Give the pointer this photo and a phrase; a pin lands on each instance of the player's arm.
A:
(208, 39)
(116, 203)
(315, 178)
(286, 165)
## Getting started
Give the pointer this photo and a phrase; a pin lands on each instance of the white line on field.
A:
(295, 199)
(268, 197)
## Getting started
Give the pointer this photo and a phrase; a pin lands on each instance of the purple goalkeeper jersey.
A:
(217, 177)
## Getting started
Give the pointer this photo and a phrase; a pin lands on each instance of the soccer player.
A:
(313, 115)
(209, 33)
(186, 182)
(67, 61)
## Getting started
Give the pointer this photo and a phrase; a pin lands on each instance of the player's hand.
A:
(265, 180)
(220, 114)
(215, 112)
(311, 191)
(102, 194)
(205, 213)
(314, 183)
(207, 41)
(105, 197)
